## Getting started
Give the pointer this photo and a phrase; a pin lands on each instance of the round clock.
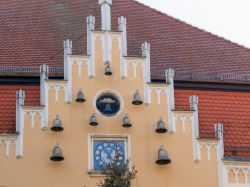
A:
(106, 151)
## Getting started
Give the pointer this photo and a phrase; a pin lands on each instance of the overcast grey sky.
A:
(227, 18)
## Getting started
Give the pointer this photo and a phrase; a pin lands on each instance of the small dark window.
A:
(108, 104)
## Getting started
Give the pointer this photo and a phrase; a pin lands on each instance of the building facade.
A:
(107, 103)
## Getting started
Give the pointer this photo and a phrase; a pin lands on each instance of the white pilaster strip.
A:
(44, 69)
(20, 96)
(193, 100)
(106, 46)
(170, 100)
(106, 14)
(122, 24)
(91, 45)
(145, 47)
(68, 68)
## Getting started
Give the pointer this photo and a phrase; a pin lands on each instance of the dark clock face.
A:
(108, 104)
(105, 151)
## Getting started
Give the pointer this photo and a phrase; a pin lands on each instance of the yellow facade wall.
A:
(35, 169)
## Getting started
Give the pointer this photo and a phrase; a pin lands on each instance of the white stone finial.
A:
(193, 100)
(67, 47)
(91, 22)
(20, 96)
(145, 47)
(169, 76)
(106, 14)
(44, 71)
(105, 1)
(67, 51)
(122, 21)
(218, 128)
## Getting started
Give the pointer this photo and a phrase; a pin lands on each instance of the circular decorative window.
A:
(108, 104)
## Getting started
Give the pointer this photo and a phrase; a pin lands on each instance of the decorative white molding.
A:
(122, 22)
(183, 123)
(80, 61)
(145, 47)
(56, 86)
(20, 96)
(208, 145)
(91, 45)
(236, 170)
(135, 63)
(106, 14)
(68, 69)
(33, 112)
(183, 116)
(157, 90)
(90, 28)
(170, 99)
(193, 100)
(122, 27)
(44, 69)
(7, 141)
(106, 47)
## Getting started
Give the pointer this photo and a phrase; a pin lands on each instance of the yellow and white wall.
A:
(25, 158)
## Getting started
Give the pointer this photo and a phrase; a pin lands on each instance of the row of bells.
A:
(57, 124)
(162, 159)
(136, 98)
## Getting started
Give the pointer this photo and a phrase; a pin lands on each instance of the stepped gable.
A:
(8, 105)
(228, 108)
(32, 33)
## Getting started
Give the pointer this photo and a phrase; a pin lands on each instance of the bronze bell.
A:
(161, 127)
(126, 122)
(162, 157)
(108, 70)
(57, 154)
(80, 97)
(93, 120)
(137, 98)
(57, 125)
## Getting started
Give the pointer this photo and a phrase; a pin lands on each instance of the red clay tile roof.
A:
(232, 109)
(8, 105)
(32, 33)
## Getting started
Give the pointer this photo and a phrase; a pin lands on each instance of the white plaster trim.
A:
(33, 112)
(146, 65)
(80, 61)
(106, 47)
(19, 141)
(106, 14)
(67, 71)
(7, 141)
(236, 169)
(59, 85)
(111, 91)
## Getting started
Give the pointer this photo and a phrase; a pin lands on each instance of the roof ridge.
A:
(193, 26)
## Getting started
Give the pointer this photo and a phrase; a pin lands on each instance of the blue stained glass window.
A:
(105, 150)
